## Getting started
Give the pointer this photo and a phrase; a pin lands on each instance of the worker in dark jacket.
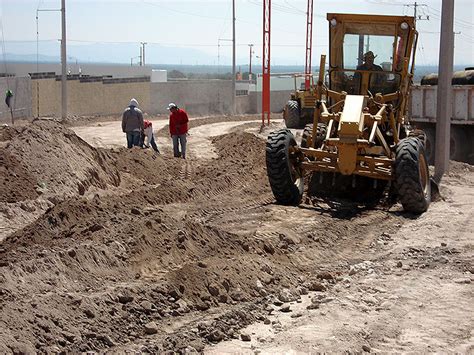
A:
(132, 124)
(178, 129)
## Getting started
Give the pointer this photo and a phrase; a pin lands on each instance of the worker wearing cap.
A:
(132, 124)
(375, 79)
(369, 58)
(178, 129)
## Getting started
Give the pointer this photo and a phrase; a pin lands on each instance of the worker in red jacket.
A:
(178, 129)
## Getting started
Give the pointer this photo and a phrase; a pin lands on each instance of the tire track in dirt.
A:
(209, 215)
(189, 236)
(187, 170)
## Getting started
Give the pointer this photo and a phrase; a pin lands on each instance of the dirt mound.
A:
(103, 268)
(16, 182)
(459, 172)
(157, 253)
(46, 158)
(236, 145)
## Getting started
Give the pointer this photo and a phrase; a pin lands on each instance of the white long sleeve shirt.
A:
(149, 134)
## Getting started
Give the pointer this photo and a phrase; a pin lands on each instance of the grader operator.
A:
(360, 140)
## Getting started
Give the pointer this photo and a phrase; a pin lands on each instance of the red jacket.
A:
(146, 124)
(178, 122)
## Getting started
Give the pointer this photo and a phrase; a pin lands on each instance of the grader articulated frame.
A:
(360, 130)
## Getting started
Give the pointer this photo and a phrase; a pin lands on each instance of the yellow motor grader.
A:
(360, 138)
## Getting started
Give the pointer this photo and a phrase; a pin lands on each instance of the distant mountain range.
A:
(186, 60)
(111, 53)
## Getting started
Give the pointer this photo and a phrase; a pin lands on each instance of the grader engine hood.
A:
(351, 125)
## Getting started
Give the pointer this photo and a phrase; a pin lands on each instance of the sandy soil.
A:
(108, 135)
(408, 291)
(109, 249)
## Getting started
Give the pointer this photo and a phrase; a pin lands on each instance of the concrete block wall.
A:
(97, 96)
(210, 97)
(278, 100)
(88, 97)
(21, 101)
(200, 97)
(245, 104)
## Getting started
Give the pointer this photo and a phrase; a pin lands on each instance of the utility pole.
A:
(143, 52)
(443, 102)
(415, 6)
(250, 63)
(233, 56)
(141, 55)
(309, 45)
(267, 11)
(63, 61)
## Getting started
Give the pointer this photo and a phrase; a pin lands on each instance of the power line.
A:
(290, 9)
(417, 17)
(381, 2)
(163, 43)
(224, 23)
(432, 11)
(281, 9)
(290, 5)
(181, 12)
(459, 22)
(456, 19)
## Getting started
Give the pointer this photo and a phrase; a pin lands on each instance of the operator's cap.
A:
(370, 54)
(172, 105)
(133, 102)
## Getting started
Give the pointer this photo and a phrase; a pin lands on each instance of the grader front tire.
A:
(286, 180)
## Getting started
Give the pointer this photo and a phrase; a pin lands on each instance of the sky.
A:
(198, 31)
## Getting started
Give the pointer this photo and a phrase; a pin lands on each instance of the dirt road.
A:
(122, 250)
(408, 291)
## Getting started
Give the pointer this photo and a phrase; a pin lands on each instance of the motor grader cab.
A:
(299, 110)
(360, 140)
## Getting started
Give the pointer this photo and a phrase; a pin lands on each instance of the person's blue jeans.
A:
(179, 138)
(133, 139)
(153, 144)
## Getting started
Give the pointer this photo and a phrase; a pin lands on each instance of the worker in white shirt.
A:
(150, 137)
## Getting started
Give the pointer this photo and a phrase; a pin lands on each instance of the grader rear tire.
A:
(292, 118)
(285, 179)
(308, 132)
(412, 178)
